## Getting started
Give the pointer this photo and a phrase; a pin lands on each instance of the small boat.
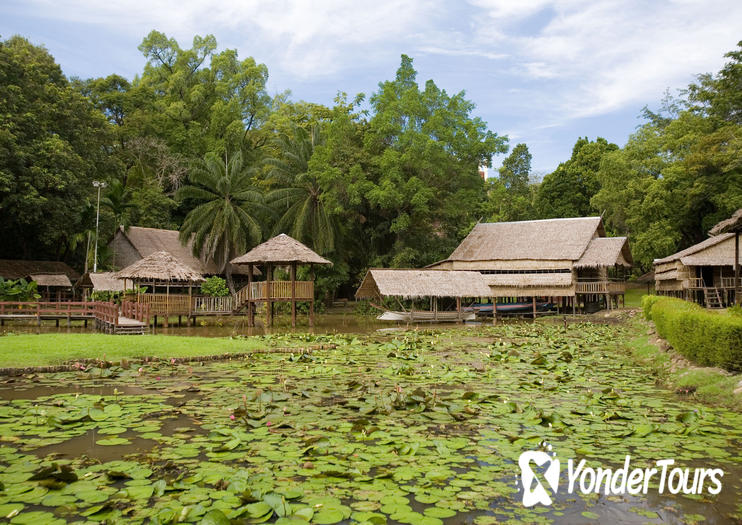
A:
(509, 308)
(422, 316)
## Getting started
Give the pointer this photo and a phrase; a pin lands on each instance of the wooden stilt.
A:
(269, 303)
(458, 309)
(533, 300)
(250, 302)
(293, 295)
(574, 300)
(494, 310)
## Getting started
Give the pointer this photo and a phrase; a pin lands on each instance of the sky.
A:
(542, 72)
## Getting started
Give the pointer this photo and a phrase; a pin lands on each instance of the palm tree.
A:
(118, 200)
(298, 198)
(223, 224)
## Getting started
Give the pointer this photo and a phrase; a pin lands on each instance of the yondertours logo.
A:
(624, 480)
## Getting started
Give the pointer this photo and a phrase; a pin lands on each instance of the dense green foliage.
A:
(385, 180)
(707, 338)
(215, 286)
(18, 290)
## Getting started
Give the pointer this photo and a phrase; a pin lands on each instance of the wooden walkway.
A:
(129, 318)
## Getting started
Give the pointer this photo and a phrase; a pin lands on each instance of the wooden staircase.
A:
(239, 299)
(712, 298)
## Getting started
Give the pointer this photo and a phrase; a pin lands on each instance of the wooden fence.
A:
(601, 287)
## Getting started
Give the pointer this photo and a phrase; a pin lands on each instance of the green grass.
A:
(52, 349)
(634, 297)
(712, 386)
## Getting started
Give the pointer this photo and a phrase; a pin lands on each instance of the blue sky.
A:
(542, 72)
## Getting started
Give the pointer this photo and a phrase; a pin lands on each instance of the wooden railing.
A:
(213, 304)
(727, 282)
(696, 283)
(41, 309)
(106, 312)
(137, 311)
(161, 304)
(282, 290)
(601, 287)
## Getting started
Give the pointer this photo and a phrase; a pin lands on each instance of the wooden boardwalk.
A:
(128, 318)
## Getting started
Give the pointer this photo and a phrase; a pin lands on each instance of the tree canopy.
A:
(389, 179)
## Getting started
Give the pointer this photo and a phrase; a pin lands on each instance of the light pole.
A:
(98, 185)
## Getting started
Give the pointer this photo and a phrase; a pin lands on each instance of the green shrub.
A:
(708, 338)
(647, 302)
(215, 286)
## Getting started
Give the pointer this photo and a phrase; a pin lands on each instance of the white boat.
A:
(422, 316)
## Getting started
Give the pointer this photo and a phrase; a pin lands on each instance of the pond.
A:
(421, 427)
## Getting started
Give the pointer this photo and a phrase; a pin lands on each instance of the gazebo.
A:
(281, 250)
(163, 270)
(732, 225)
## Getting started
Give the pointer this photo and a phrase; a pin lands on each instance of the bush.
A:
(647, 302)
(215, 286)
(708, 338)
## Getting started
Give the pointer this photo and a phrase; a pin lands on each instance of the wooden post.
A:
(533, 299)
(268, 302)
(737, 290)
(250, 304)
(574, 305)
(311, 303)
(435, 307)
(458, 309)
(494, 310)
(293, 295)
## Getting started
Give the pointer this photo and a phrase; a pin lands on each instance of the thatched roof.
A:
(51, 279)
(606, 251)
(646, 277)
(529, 280)
(159, 266)
(421, 283)
(670, 275)
(551, 239)
(714, 251)
(147, 241)
(732, 224)
(101, 282)
(18, 269)
(281, 249)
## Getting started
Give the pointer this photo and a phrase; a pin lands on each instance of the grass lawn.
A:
(634, 297)
(51, 349)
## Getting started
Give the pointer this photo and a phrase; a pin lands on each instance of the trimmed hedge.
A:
(708, 338)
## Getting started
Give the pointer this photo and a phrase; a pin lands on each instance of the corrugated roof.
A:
(281, 249)
(606, 251)
(51, 279)
(411, 283)
(19, 269)
(550, 239)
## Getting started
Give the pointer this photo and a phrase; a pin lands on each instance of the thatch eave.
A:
(281, 250)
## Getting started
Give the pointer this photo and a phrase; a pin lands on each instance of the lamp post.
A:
(98, 185)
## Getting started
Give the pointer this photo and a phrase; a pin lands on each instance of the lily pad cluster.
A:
(422, 427)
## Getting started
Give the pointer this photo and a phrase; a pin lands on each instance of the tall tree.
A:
(566, 192)
(298, 196)
(510, 195)
(225, 220)
(51, 148)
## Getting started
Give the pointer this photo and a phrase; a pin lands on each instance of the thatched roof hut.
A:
(714, 251)
(606, 252)
(19, 269)
(414, 284)
(135, 243)
(281, 250)
(101, 282)
(541, 257)
(51, 280)
(159, 267)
